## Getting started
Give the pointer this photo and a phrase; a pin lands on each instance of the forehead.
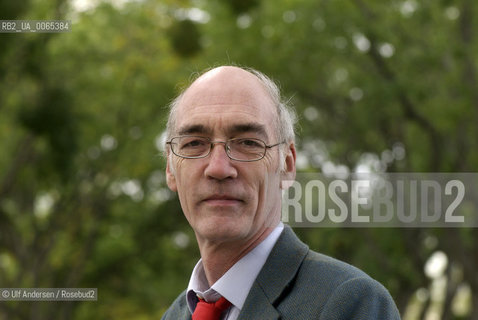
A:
(222, 100)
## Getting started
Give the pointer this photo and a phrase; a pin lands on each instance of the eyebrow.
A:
(193, 129)
(249, 127)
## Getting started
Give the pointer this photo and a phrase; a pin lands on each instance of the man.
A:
(230, 151)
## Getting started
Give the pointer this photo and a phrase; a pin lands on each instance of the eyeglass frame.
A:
(226, 149)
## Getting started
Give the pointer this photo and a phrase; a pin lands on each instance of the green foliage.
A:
(185, 38)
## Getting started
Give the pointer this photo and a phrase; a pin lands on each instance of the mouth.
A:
(222, 200)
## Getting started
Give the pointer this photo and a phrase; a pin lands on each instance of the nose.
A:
(220, 166)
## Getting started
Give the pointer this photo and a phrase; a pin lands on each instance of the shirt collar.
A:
(236, 283)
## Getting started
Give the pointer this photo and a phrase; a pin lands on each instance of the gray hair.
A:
(286, 116)
(286, 119)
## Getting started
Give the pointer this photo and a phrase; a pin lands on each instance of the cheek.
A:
(180, 170)
(174, 174)
(266, 177)
(188, 179)
(171, 175)
(267, 189)
(272, 161)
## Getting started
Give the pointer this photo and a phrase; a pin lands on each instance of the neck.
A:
(218, 258)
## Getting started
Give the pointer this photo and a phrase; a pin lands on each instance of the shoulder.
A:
(178, 309)
(328, 270)
(343, 291)
(291, 255)
(360, 298)
(329, 288)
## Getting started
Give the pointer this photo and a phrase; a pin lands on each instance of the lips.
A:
(221, 199)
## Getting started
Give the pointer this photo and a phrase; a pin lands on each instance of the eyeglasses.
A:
(240, 149)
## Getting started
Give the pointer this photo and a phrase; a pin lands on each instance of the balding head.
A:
(233, 79)
(234, 84)
(227, 86)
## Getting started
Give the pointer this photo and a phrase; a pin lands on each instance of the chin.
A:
(227, 230)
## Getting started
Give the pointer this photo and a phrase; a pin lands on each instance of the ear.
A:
(288, 174)
(170, 177)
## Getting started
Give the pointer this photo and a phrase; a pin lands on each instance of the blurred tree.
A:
(185, 38)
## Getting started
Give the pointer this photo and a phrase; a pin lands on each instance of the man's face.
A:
(223, 199)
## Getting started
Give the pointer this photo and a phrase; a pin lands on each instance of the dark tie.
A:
(210, 311)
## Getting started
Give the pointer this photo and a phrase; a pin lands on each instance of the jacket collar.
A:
(277, 273)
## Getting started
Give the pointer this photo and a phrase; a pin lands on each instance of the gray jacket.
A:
(299, 284)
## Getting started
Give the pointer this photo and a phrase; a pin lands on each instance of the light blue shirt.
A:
(236, 283)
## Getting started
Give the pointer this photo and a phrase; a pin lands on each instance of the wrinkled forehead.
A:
(231, 97)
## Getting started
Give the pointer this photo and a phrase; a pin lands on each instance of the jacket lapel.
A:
(276, 275)
(258, 306)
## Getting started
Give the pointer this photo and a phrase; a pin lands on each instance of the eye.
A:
(190, 143)
(249, 143)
